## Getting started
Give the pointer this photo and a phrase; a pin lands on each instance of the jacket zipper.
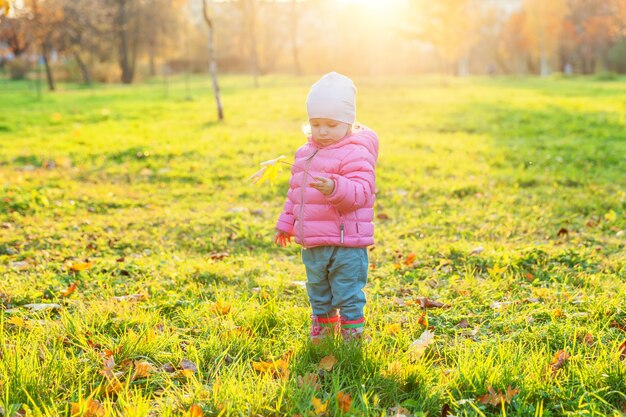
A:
(306, 166)
(341, 229)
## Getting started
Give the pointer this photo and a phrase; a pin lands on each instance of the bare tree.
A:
(213, 61)
(294, 36)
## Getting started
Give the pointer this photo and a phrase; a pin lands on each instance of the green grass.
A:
(148, 187)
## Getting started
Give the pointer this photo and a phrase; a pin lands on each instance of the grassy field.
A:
(504, 200)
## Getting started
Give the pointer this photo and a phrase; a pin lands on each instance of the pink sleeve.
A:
(355, 183)
(286, 218)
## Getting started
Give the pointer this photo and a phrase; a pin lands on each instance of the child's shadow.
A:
(333, 369)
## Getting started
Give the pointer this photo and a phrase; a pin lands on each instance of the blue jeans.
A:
(336, 276)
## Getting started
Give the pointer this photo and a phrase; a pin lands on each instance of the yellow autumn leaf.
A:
(90, 408)
(611, 216)
(16, 321)
(393, 328)
(319, 406)
(496, 270)
(80, 266)
(268, 172)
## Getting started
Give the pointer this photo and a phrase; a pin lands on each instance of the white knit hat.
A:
(332, 97)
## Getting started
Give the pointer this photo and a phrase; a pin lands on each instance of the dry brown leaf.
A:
(344, 401)
(278, 369)
(142, 369)
(427, 303)
(131, 297)
(399, 412)
(328, 362)
(463, 324)
(423, 319)
(188, 368)
(588, 339)
(417, 348)
(559, 361)
(497, 398)
(309, 381)
(42, 306)
(622, 350)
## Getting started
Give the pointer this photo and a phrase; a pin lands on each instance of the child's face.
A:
(327, 131)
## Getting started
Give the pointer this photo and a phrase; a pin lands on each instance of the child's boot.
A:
(352, 329)
(323, 326)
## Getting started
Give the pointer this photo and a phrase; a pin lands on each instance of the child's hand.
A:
(282, 239)
(325, 186)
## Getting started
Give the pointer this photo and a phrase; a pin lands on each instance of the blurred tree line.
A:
(128, 40)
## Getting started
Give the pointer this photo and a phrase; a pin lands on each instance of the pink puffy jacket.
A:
(343, 218)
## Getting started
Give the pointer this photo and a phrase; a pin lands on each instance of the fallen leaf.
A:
(195, 411)
(427, 303)
(588, 339)
(109, 364)
(417, 348)
(80, 266)
(423, 319)
(614, 324)
(16, 321)
(92, 408)
(220, 308)
(410, 258)
(277, 369)
(344, 401)
(328, 362)
(142, 369)
(131, 297)
(445, 410)
(69, 290)
(496, 270)
(497, 398)
(559, 361)
(477, 250)
(188, 367)
(319, 406)
(622, 350)
(463, 324)
(398, 412)
(393, 328)
(218, 256)
(42, 306)
(308, 381)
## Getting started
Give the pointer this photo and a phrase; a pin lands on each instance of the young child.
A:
(330, 207)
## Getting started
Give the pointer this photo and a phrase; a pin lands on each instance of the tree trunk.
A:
(294, 38)
(122, 32)
(83, 68)
(213, 62)
(46, 61)
(151, 59)
(254, 59)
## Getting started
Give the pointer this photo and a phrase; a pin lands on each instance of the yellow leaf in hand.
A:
(268, 172)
